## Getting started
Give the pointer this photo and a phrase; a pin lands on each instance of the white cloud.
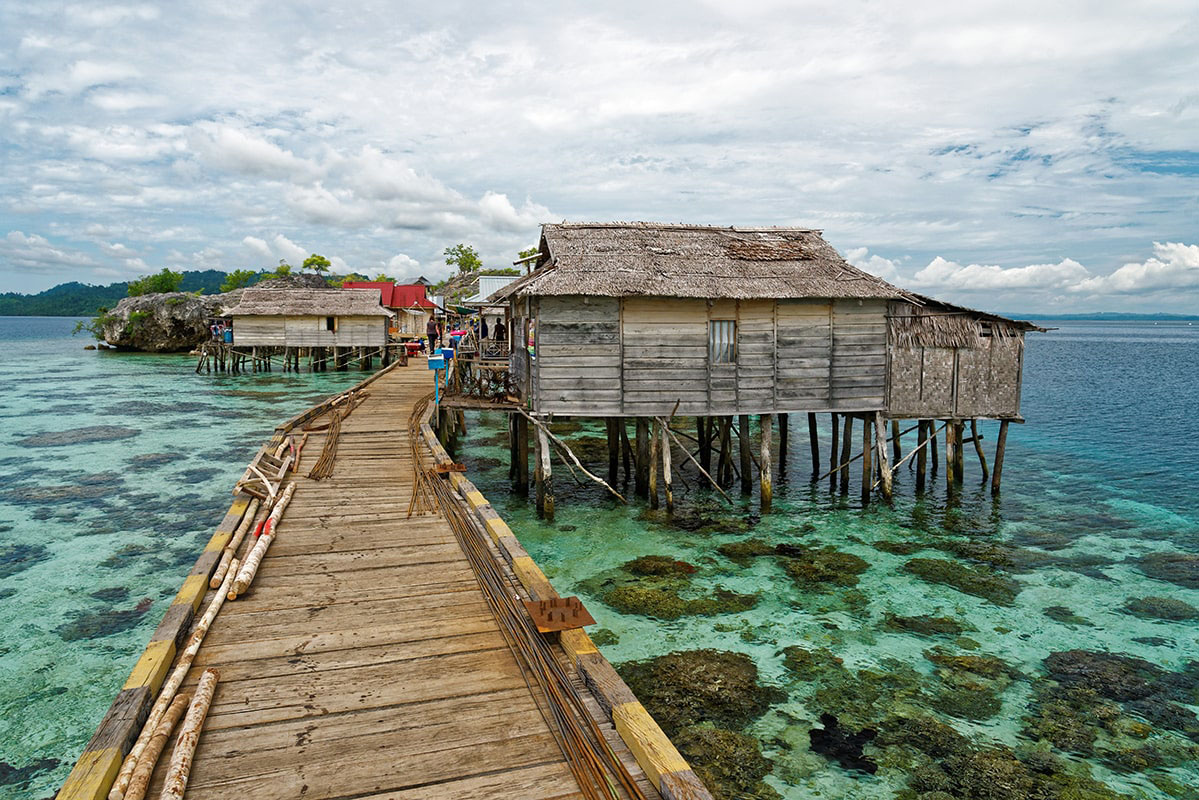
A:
(943, 274)
(105, 16)
(402, 264)
(257, 246)
(1173, 267)
(289, 250)
(876, 265)
(34, 252)
(237, 150)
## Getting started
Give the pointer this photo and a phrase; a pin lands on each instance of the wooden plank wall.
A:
(309, 332)
(804, 359)
(859, 366)
(665, 357)
(578, 346)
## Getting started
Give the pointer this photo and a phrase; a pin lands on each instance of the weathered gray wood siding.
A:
(665, 357)
(281, 331)
(578, 364)
(859, 365)
(804, 355)
(956, 382)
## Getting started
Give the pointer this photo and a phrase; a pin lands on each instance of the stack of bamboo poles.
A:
(595, 766)
(231, 579)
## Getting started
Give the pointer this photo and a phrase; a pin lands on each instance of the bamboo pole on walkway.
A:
(248, 520)
(158, 742)
(179, 770)
(249, 569)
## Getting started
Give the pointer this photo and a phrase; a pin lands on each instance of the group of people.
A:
(435, 332)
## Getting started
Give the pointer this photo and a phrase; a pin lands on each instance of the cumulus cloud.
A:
(237, 150)
(941, 273)
(1174, 266)
(34, 252)
(875, 264)
(257, 246)
(402, 264)
(289, 250)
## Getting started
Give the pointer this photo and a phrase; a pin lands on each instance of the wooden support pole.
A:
(766, 489)
(867, 461)
(959, 451)
(833, 458)
(522, 456)
(949, 448)
(896, 448)
(814, 441)
(545, 477)
(726, 451)
(747, 478)
(922, 458)
(626, 449)
(512, 447)
(703, 426)
(933, 451)
(1000, 449)
(783, 423)
(667, 480)
(846, 449)
(641, 456)
(655, 436)
(880, 437)
(978, 448)
(613, 435)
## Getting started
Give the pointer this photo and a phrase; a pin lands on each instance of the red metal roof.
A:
(395, 295)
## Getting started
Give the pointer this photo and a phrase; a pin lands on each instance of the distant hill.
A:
(76, 299)
(1111, 316)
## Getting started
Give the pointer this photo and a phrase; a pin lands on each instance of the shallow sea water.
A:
(1102, 474)
(115, 468)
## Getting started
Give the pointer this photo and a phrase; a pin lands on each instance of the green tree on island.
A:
(317, 263)
(527, 253)
(158, 283)
(383, 278)
(239, 278)
(465, 257)
(284, 269)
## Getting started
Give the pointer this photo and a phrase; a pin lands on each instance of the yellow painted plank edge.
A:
(194, 587)
(92, 776)
(653, 750)
(151, 669)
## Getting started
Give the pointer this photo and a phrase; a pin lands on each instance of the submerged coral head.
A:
(844, 747)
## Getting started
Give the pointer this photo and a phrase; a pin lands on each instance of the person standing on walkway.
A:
(433, 331)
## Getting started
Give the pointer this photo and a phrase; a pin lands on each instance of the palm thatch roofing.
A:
(621, 259)
(309, 303)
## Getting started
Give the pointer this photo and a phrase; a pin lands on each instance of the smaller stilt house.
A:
(309, 318)
(406, 300)
(648, 321)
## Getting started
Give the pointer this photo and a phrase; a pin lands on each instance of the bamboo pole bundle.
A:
(172, 684)
(250, 567)
(189, 736)
(248, 520)
(158, 741)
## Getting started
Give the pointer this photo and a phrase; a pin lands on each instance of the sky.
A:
(1014, 156)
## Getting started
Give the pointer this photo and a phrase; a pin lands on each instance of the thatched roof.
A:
(928, 322)
(641, 258)
(309, 303)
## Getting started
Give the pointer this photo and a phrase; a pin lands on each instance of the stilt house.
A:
(309, 318)
(408, 302)
(640, 319)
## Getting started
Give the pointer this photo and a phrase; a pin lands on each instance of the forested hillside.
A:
(76, 299)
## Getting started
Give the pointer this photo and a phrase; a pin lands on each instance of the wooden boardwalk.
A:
(364, 661)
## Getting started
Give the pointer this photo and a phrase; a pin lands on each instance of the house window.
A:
(722, 341)
(331, 324)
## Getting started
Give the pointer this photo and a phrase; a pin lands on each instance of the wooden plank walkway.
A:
(364, 661)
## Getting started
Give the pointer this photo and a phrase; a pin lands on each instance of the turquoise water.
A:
(115, 469)
(98, 532)
(1102, 476)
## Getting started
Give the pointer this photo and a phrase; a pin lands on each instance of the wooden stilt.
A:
(921, 457)
(884, 468)
(512, 454)
(667, 479)
(625, 449)
(783, 423)
(641, 482)
(933, 451)
(949, 448)
(814, 440)
(978, 448)
(522, 456)
(613, 448)
(724, 465)
(833, 454)
(703, 427)
(544, 476)
(959, 451)
(652, 483)
(766, 489)
(896, 448)
(747, 478)
(846, 449)
(867, 461)
(1000, 449)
